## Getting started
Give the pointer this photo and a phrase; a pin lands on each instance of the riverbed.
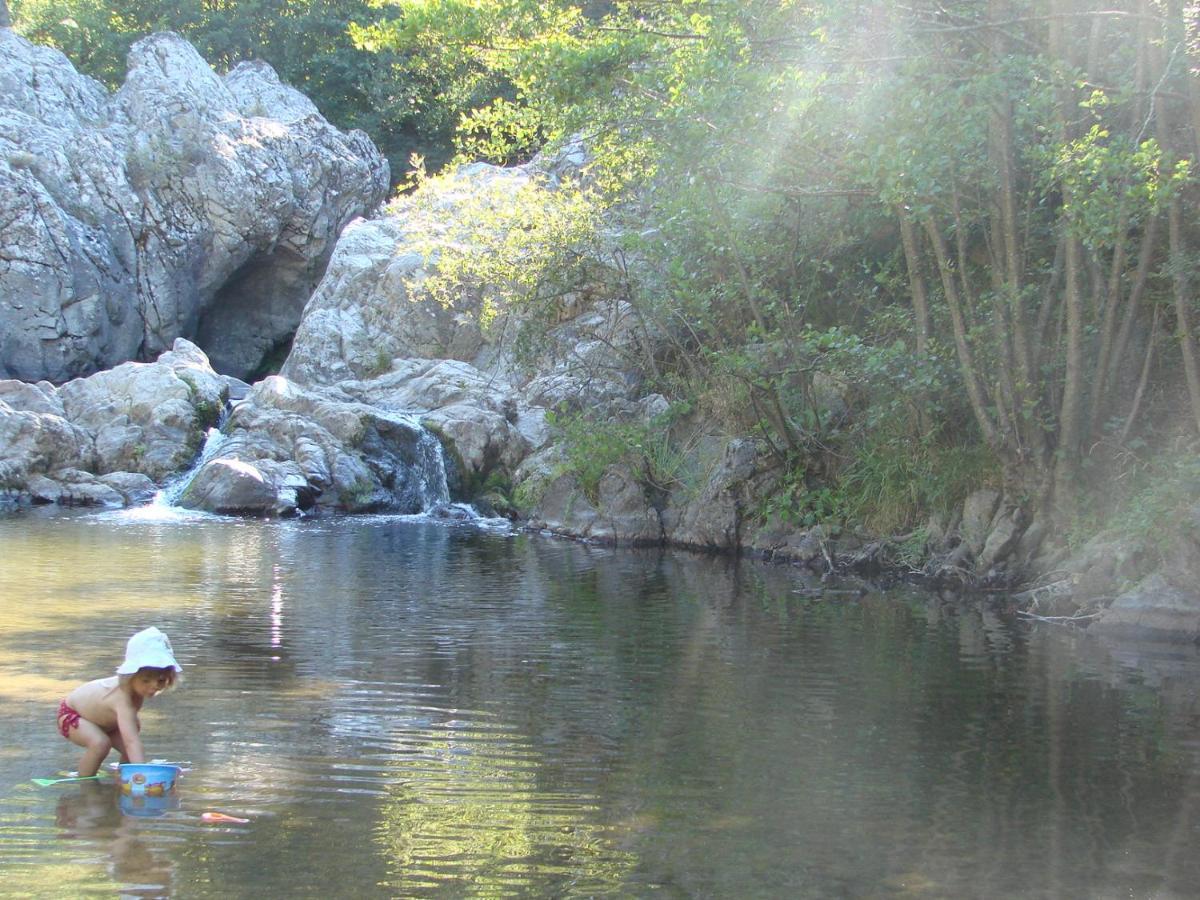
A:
(402, 707)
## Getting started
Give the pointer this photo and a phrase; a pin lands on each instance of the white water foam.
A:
(162, 508)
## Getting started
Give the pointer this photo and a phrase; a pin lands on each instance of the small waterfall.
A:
(173, 489)
(424, 487)
(434, 487)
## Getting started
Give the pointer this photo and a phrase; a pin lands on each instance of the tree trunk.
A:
(1070, 413)
(1177, 249)
(1143, 381)
(1145, 261)
(916, 280)
(5, 19)
(1072, 393)
(1183, 316)
(965, 357)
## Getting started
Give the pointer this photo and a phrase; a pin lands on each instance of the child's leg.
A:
(96, 745)
(118, 743)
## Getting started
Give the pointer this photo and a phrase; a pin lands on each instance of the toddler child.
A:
(103, 714)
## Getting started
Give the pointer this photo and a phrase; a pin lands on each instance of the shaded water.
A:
(406, 709)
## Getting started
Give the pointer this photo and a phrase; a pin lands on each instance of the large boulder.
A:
(373, 331)
(371, 307)
(1155, 608)
(36, 437)
(713, 517)
(148, 417)
(112, 437)
(185, 204)
(1163, 605)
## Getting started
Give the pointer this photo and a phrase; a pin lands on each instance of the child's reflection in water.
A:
(91, 813)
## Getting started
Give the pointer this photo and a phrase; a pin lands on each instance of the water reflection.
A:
(89, 818)
(415, 710)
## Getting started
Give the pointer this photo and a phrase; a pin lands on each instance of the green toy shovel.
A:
(46, 782)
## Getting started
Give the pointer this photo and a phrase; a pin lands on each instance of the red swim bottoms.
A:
(67, 719)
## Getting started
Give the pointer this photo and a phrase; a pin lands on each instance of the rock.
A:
(140, 422)
(43, 489)
(1030, 543)
(1098, 564)
(625, 514)
(233, 486)
(807, 546)
(41, 398)
(1155, 608)
(372, 329)
(370, 307)
(35, 443)
(472, 411)
(148, 417)
(134, 487)
(179, 206)
(978, 511)
(289, 448)
(71, 487)
(712, 519)
(564, 509)
(1007, 526)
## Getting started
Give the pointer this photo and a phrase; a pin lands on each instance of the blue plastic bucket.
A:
(148, 779)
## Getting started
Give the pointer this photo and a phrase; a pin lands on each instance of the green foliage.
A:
(358, 495)
(645, 448)
(509, 243)
(208, 414)
(1157, 505)
(759, 158)
(1107, 183)
(895, 481)
(797, 503)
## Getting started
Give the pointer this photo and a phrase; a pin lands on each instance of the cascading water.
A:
(423, 485)
(162, 508)
(415, 458)
(435, 489)
(173, 489)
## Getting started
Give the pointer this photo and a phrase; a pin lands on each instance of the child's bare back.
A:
(101, 701)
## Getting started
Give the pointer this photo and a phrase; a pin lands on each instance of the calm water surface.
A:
(407, 709)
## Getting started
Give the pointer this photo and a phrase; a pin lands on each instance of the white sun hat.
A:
(149, 647)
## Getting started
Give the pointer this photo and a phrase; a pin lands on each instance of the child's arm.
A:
(129, 728)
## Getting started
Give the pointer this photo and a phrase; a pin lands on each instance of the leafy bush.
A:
(592, 446)
(896, 480)
(1164, 492)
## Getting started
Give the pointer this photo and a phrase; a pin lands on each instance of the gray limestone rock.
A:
(1155, 608)
(185, 204)
(139, 422)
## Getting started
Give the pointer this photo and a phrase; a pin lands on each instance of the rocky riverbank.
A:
(190, 219)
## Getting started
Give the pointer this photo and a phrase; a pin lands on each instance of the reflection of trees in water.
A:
(520, 713)
(479, 822)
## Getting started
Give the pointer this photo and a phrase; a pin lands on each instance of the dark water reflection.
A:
(406, 710)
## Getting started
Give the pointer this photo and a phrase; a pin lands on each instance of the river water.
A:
(403, 708)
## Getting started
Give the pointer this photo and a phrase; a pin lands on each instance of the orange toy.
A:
(220, 817)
